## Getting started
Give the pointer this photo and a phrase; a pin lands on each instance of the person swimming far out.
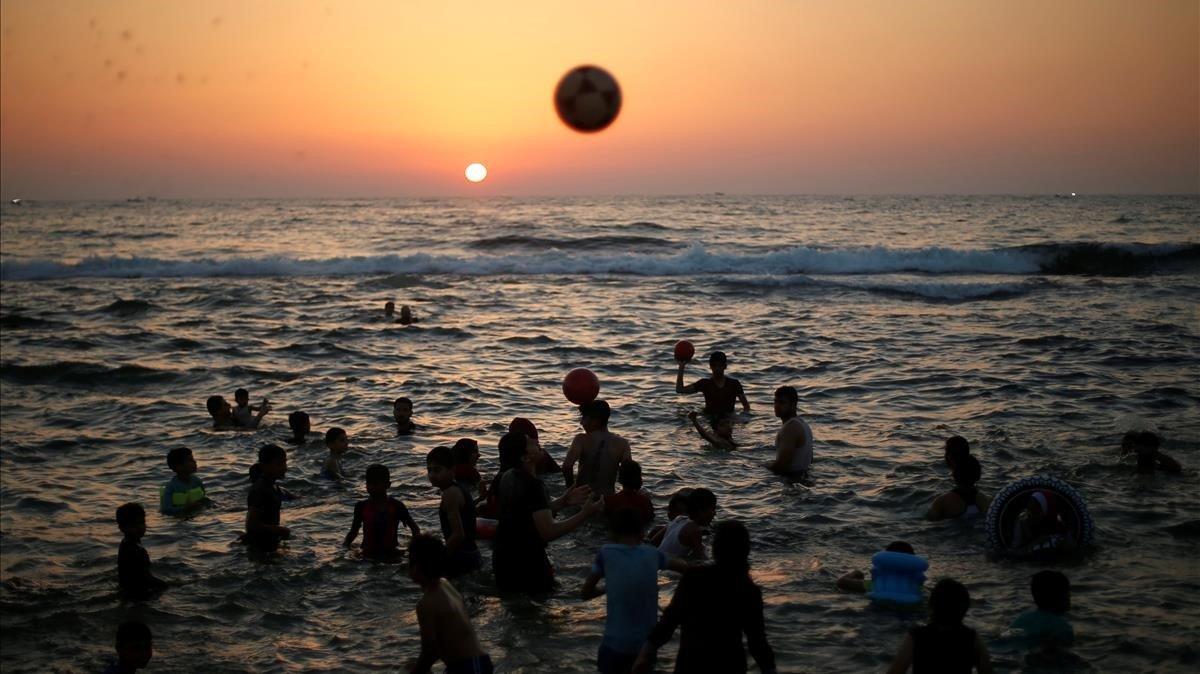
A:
(964, 501)
(1144, 444)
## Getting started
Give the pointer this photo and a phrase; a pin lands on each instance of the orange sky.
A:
(388, 98)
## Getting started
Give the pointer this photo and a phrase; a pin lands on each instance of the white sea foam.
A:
(695, 260)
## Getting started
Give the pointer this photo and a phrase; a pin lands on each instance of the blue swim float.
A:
(897, 577)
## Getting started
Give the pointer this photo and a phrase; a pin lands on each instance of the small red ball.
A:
(581, 386)
(684, 351)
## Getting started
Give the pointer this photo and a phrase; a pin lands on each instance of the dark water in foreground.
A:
(1035, 327)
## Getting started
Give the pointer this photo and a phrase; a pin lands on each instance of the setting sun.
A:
(476, 172)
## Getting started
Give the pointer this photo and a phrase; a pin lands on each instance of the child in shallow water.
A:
(338, 443)
(379, 518)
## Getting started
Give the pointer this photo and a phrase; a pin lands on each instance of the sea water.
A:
(1039, 328)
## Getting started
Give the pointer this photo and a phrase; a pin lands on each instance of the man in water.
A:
(719, 391)
(794, 442)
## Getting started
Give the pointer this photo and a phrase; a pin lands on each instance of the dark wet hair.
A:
(948, 603)
(130, 514)
(428, 554)
(788, 393)
(718, 357)
(626, 522)
(177, 456)
(295, 418)
(402, 399)
(440, 456)
(214, 404)
(900, 546)
(269, 453)
(679, 501)
(957, 447)
(377, 472)
(1148, 439)
(1051, 591)
(241, 393)
(512, 448)
(967, 471)
(596, 409)
(629, 474)
(133, 632)
(700, 499)
(731, 546)
(463, 449)
(334, 433)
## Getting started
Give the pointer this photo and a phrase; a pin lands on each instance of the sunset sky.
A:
(392, 98)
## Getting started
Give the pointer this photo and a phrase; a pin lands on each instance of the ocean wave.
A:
(71, 372)
(1059, 259)
(581, 243)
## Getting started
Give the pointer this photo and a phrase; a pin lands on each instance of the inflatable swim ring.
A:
(485, 528)
(897, 577)
(1069, 508)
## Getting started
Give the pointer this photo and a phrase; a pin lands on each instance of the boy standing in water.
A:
(338, 443)
(456, 513)
(598, 451)
(184, 493)
(794, 442)
(243, 411)
(446, 631)
(379, 517)
(133, 562)
(630, 569)
(402, 411)
(719, 391)
(263, 502)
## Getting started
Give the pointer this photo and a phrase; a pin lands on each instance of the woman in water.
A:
(964, 501)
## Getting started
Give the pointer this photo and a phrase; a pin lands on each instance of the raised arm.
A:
(679, 387)
(262, 412)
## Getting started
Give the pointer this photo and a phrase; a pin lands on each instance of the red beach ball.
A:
(684, 351)
(581, 386)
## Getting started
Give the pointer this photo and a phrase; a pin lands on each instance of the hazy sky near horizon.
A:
(384, 98)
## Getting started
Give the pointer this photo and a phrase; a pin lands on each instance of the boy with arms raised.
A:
(446, 631)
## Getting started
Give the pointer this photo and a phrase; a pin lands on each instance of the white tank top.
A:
(670, 545)
(803, 456)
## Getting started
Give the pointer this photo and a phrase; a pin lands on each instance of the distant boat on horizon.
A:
(15, 201)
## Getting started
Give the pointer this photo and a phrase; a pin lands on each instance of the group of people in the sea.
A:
(716, 602)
